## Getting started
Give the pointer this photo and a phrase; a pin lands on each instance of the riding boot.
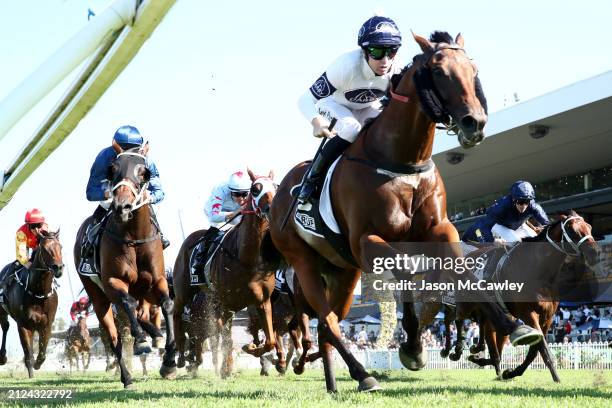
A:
(88, 244)
(332, 149)
(202, 250)
(165, 242)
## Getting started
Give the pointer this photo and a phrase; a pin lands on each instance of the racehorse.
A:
(241, 272)
(131, 261)
(32, 300)
(78, 343)
(538, 261)
(385, 188)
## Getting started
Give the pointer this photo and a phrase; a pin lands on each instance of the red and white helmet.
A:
(239, 182)
(83, 300)
(34, 216)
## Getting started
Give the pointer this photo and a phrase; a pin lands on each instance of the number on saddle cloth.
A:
(201, 255)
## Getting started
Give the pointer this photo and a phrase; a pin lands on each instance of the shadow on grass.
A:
(514, 392)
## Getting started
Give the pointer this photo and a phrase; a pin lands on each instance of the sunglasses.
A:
(378, 53)
(36, 226)
(522, 202)
(240, 194)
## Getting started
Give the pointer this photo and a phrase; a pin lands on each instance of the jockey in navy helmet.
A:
(350, 90)
(98, 187)
(506, 218)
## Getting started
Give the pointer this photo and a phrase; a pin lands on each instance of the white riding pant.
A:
(349, 121)
(509, 235)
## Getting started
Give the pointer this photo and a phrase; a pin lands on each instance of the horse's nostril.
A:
(469, 123)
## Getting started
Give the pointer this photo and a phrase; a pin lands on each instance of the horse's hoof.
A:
(129, 387)
(281, 367)
(412, 361)
(142, 348)
(444, 353)
(168, 372)
(454, 356)
(474, 349)
(263, 373)
(3, 360)
(369, 384)
(298, 370)
(526, 336)
(471, 359)
(181, 362)
(506, 375)
(159, 343)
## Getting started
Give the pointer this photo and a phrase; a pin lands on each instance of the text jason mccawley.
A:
(422, 263)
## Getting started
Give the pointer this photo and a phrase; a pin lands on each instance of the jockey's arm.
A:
(156, 193)
(21, 249)
(214, 207)
(539, 215)
(97, 185)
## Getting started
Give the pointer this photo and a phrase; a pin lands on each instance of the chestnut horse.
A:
(538, 261)
(32, 300)
(242, 273)
(385, 188)
(131, 261)
(78, 343)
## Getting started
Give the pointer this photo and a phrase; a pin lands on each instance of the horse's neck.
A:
(40, 279)
(249, 238)
(402, 133)
(139, 226)
(543, 259)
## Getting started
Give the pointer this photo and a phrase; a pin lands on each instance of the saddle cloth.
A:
(213, 246)
(317, 218)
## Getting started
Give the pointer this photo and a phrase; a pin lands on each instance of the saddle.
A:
(202, 255)
(90, 249)
(317, 217)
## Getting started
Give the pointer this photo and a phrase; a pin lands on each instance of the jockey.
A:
(98, 186)
(507, 217)
(350, 90)
(28, 235)
(224, 205)
(80, 308)
(26, 241)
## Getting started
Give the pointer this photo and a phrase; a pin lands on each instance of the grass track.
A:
(450, 388)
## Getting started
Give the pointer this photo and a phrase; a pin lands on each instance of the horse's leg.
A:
(4, 323)
(326, 350)
(281, 364)
(448, 319)
(532, 320)
(128, 304)
(488, 333)
(43, 341)
(143, 362)
(411, 352)
(303, 323)
(548, 360)
(480, 346)
(179, 332)
(104, 313)
(227, 346)
(168, 369)
(25, 336)
(295, 333)
(264, 312)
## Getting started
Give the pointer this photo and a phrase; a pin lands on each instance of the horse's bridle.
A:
(54, 284)
(139, 194)
(267, 186)
(566, 239)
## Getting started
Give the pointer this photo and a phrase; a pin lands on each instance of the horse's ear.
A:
(56, 233)
(425, 45)
(251, 174)
(271, 175)
(459, 40)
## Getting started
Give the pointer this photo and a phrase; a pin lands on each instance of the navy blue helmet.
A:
(128, 137)
(379, 31)
(522, 190)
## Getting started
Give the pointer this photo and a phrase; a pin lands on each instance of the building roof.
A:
(580, 120)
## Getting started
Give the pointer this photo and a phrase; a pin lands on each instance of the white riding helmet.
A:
(239, 182)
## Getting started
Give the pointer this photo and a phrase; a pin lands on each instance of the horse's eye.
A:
(437, 71)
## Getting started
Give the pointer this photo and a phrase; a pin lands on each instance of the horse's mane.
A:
(441, 37)
(542, 235)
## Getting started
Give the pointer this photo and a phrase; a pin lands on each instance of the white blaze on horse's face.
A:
(268, 189)
(129, 192)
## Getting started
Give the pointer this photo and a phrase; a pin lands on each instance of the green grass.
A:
(475, 388)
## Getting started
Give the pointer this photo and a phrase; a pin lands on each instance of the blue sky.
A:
(216, 86)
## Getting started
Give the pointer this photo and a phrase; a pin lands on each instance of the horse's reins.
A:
(565, 238)
(25, 286)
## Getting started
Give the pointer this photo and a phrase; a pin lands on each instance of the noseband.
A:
(565, 239)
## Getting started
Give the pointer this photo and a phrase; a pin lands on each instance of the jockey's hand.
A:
(28, 265)
(233, 214)
(107, 194)
(146, 197)
(320, 127)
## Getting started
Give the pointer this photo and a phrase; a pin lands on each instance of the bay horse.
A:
(131, 262)
(78, 343)
(538, 261)
(385, 188)
(241, 272)
(32, 300)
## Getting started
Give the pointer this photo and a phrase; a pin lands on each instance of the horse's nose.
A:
(473, 123)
